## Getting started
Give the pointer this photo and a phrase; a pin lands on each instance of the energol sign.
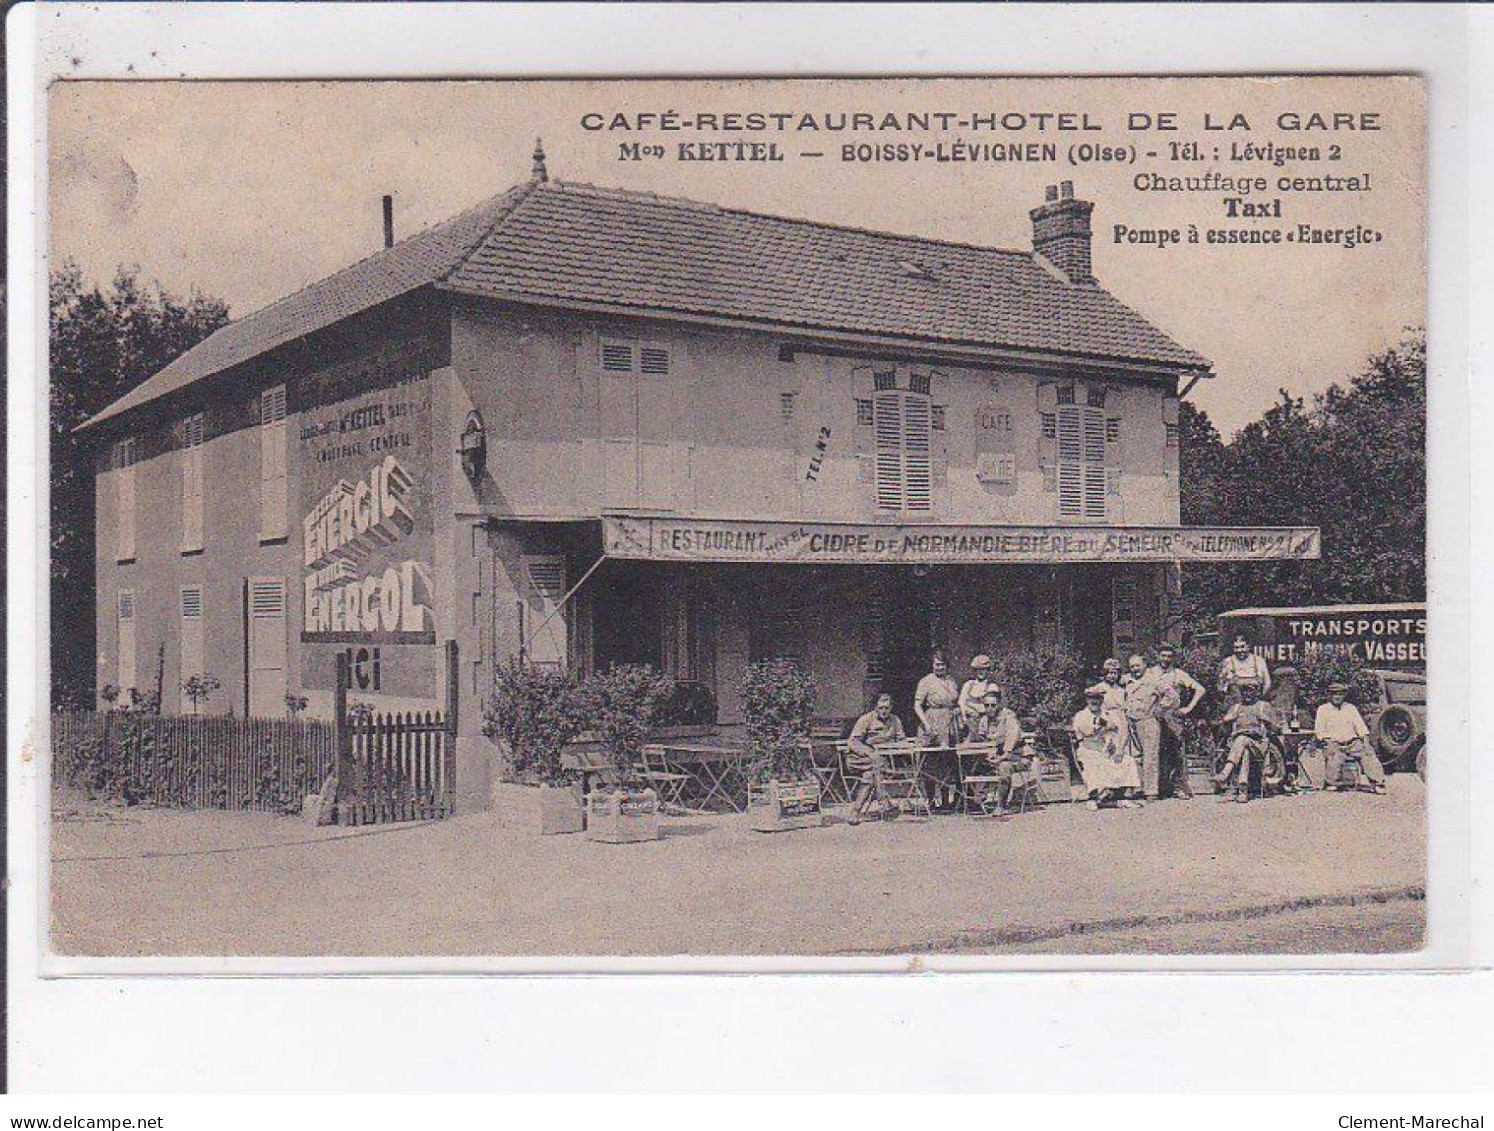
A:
(347, 524)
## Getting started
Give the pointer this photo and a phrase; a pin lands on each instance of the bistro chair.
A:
(902, 780)
(825, 762)
(670, 786)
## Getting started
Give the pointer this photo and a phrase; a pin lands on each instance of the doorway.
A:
(909, 635)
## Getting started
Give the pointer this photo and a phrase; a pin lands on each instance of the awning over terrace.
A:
(664, 538)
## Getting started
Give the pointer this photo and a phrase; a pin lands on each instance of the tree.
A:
(1354, 464)
(102, 344)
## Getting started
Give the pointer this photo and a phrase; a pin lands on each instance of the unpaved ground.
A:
(1386, 926)
(142, 882)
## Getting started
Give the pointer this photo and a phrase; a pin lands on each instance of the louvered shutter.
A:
(192, 438)
(653, 361)
(917, 453)
(1070, 453)
(545, 628)
(272, 464)
(124, 501)
(265, 613)
(1170, 452)
(617, 356)
(887, 424)
(126, 639)
(191, 638)
(1094, 462)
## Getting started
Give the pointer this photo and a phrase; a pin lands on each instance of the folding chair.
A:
(902, 781)
(825, 764)
(670, 786)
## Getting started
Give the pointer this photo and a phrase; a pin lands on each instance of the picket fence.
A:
(404, 769)
(197, 762)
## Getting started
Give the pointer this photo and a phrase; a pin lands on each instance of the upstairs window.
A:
(125, 458)
(1081, 432)
(192, 437)
(272, 464)
(902, 425)
(623, 355)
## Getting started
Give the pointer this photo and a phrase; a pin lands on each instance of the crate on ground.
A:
(622, 816)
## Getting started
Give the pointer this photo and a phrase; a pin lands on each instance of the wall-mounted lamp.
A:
(473, 447)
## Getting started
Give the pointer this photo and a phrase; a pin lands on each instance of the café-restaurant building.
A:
(587, 426)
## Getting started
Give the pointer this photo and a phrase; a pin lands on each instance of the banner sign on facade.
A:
(719, 540)
(366, 528)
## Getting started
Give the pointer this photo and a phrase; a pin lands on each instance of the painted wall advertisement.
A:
(366, 526)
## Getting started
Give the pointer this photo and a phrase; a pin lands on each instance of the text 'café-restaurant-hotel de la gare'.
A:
(592, 426)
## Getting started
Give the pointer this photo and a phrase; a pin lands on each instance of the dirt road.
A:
(135, 882)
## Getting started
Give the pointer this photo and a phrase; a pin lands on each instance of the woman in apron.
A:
(936, 702)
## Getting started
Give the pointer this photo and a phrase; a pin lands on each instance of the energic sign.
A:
(366, 525)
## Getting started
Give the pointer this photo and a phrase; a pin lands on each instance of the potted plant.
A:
(624, 703)
(777, 707)
(533, 712)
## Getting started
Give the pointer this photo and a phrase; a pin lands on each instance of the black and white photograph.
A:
(821, 519)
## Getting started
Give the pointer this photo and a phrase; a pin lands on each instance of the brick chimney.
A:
(1060, 231)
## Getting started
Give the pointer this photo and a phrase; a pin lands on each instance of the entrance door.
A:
(907, 642)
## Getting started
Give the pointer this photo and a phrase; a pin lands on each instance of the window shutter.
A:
(888, 427)
(192, 437)
(265, 601)
(191, 638)
(546, 582)
(272, 464)
(1081, 479)
(124, 500)
(617, 356)
(126, 639)
(653, 361)
(917, 454)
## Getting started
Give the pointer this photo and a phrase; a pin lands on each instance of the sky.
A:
(248, 191)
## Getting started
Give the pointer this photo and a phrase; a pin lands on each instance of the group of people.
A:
(1129, 736)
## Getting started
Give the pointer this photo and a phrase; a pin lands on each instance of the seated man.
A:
(1109, 771)
(998, 724)
(1252, 723)
(878, 727)
(1339, 728)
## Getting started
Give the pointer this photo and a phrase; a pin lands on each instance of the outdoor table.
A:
(717, 770)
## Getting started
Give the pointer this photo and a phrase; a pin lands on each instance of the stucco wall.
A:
(365, 355)
(719, 439)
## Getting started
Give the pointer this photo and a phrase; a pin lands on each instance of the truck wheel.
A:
(1395, 734)
(1421, 761)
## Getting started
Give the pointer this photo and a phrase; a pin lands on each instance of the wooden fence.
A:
(207, 762)
(396, 767)
(404, 769)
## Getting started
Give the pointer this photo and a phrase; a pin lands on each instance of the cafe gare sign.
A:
(678, 539)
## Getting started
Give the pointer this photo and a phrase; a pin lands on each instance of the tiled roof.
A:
(412, 263)
(573, 244)
(583, 244)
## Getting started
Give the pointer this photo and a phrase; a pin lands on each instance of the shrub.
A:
(1317, 669)
(624, 703)
(777, 705)
(1044, 687)
(535, 712)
